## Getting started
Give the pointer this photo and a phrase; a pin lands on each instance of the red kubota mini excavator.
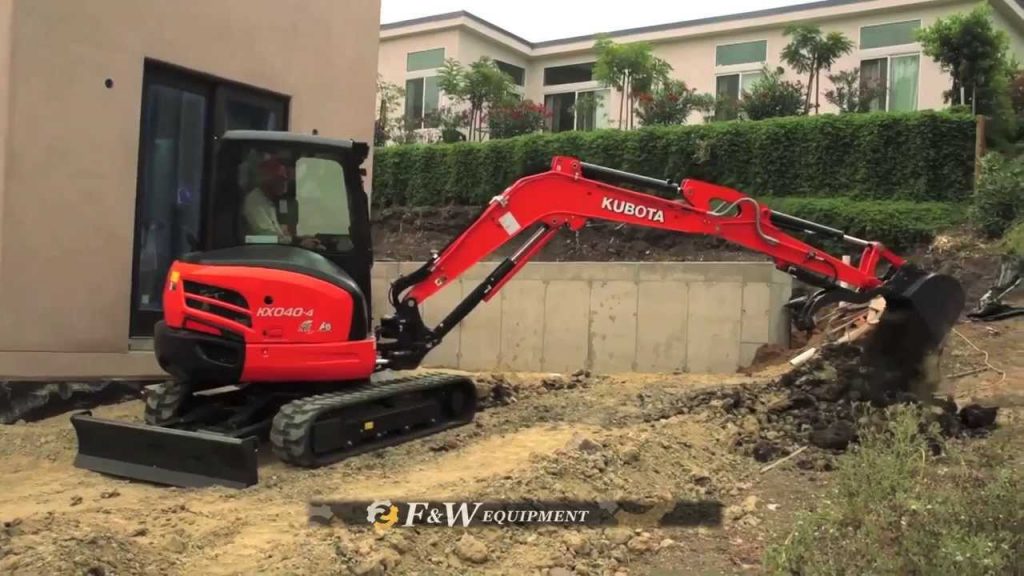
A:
(267, 331)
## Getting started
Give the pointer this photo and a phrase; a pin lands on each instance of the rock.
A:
(750, 503)
(472, 550)
(750, 521)
(801, 400)
(837, 436)
(765, 451)
(96, 571)
(110, 494)
(976, 416)
(556, 382)
(398, 542)
(176, 545)
(780, 405)
(76, 500)
(830, 390)
(140, 531)
(575, 542)
(666, 543)
(638, 544)
(588, 445)
(559, 571)
(368, 567)
(630, 455)
(618, 535)
(750, 426)
(734, 513)
(388, 558)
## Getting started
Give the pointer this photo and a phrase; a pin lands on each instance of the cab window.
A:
(300, 201)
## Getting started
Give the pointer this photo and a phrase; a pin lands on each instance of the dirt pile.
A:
(31, 401)
(820, 403)
(411, 233)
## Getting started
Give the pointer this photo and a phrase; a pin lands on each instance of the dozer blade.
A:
(164, 455)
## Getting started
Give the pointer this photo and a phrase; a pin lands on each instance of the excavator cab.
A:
(287, 189)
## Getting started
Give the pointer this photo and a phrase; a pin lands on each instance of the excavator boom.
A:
(574, 192)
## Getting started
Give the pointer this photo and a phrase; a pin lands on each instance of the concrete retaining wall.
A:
(609, 317)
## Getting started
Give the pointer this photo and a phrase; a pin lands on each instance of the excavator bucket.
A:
(920, 311)
(932, 302)
(164, 455)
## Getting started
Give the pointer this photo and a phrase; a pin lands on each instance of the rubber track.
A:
(290, 433)
(164, 402)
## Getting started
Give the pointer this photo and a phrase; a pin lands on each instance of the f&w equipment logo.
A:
(382, 514)
(386, 515)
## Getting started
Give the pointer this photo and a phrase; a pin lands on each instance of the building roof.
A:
(629, 31)
(625, 31)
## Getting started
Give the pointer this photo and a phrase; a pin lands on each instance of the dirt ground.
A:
(548, 437)
(649, 438)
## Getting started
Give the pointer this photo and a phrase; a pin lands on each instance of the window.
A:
(894, 80)
(731, 87)
(422, 96)
(322, 197)
(582, 110)
(517, 73)
(285, 199)
(741, 53)
(424, 60)
(893, 34)
(570, 74)
(181, 114)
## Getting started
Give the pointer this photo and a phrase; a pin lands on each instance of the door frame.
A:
(216, 90)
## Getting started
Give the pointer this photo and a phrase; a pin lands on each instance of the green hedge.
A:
(896, 223)
(912, 156)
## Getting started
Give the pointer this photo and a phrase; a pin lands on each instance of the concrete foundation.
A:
(553, 317)
(609, 317)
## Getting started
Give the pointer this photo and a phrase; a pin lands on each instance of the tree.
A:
(481, 85)
(850, 94)
(389, 95)
(772, 97)
(631, 69)
(972, 51)
(1017, 98)
(671, 103)
(808, 52)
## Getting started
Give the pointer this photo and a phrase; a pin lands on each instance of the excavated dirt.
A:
(411, 234)
(649, 439)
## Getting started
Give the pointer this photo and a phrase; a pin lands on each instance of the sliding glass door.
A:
(181, 114)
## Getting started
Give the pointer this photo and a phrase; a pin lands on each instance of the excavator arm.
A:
(573, 192)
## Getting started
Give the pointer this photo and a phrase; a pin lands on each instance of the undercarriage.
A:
(213, 436)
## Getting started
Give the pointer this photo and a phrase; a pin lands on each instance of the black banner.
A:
(385, 514)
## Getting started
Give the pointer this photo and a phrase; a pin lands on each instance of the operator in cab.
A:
(261, 205)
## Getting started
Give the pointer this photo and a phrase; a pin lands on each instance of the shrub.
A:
(898, 224)
(923, 156)
(999, 197)
(516, 118)
(895, 509)
(671, 104)
(772, 97)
